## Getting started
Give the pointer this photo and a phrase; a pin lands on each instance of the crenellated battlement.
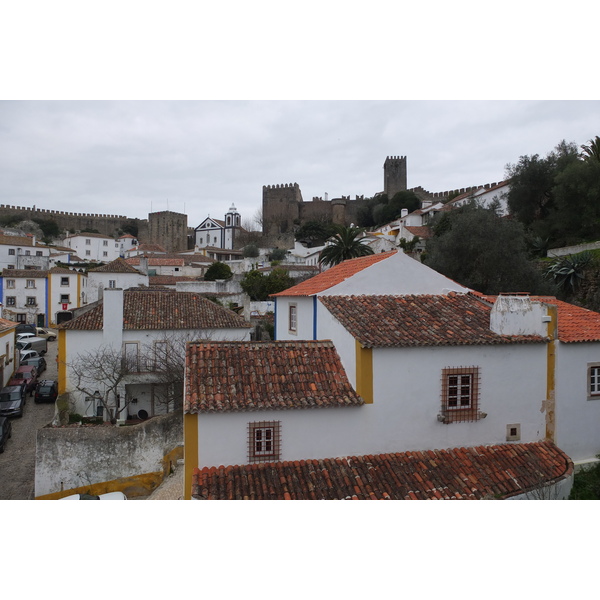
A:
(281, 186)
(50, 212)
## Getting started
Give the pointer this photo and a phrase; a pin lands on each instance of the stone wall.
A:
(98, 459)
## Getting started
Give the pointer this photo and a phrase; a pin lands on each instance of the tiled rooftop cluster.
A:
(163, 309)
(423, 320)
(335, 275)
(483, 472)
(243, 376)
(119, 265)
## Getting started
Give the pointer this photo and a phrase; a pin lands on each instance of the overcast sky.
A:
(198, 157)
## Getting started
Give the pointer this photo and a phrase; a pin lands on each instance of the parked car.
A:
(108, 496)
(40, 345)
(39, 362)
(25, 328)
(24, 336)
(46, 391)
(46, 334)
(26, 355)
(12, 401)
(25, 373)
(5, 431)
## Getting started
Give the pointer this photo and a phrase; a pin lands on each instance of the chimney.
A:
(112, 317)
(144, 265)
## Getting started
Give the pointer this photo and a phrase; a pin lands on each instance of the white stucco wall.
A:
(577, 415)
(98, 281)
(404, 413)
(518, 315)
(304, 311)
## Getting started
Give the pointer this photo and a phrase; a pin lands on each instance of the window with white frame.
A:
(39, 253)
(64, 281)
(264, 441)
(31, 301)
(594, 380)
(10, 284)
(21, 318)
(105, 254)
(88, 253)
(112, 283)
(105, 242)
(65, 298)
(293, 318)
(11, 251)
(27, 252)
(30, 283)
(11, 300)
(88, 242)
(460, 394)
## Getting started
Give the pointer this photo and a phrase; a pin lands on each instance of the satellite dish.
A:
(142, 414)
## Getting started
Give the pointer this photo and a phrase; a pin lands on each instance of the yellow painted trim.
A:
(364, 372)
(190, 452)
(551, 374)
(49, 302)
(61, 359)
(78, 303)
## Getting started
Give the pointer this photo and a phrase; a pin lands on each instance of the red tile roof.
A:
(335, 275)
(15, 240)
(423, 231)
(6, 324)
(26, 273)
(248, 376)
(155, 262)
(425, 320)
(575, 324)
(118, 265)
(163, 309)
(482, 472)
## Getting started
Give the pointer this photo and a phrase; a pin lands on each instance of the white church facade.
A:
(215, 233)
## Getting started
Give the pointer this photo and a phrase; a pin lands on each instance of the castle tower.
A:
(394, 175)
(169, 230)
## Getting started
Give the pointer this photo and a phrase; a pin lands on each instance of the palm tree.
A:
(345, 244)
(592, 151)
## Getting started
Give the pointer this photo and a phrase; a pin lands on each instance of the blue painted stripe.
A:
(314, 317)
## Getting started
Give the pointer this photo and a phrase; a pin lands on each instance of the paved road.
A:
(17, 462)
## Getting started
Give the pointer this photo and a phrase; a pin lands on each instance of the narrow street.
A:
(17, 462)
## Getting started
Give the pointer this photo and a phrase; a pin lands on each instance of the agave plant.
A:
(568, 271)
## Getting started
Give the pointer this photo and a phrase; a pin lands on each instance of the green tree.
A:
(591, 151)
(218, 270)
(314, 233)
(345, 244)
(260, 286)
(485, 252)
(251, 251)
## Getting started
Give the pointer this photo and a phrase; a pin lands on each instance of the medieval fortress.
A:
(283, 211)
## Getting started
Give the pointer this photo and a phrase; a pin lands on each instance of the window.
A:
(460, 394)
(105, 242)
(27, 252)
(7, 354)
(10, 284)
(64, 281)
(88, 253)
(30, 283)
(39, 253)
(293, 318)
(64, 299)
(264, 441)
(594, 381)
(11, 266)
(131, 356)
(112, 283)
(11, 252)
(21, 318)
(88, 242)
(11, 300)
(31, 301)
(105, 254)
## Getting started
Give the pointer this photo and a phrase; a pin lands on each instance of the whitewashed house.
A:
(116, 274)
(142, 327)
(22, 252)
(385, 273)
(67, 290)
(93, 247)
(25, 295)
(214, 233)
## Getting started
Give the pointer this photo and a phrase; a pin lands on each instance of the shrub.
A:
(218, 270)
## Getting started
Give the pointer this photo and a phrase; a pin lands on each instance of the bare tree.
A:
(100, 374)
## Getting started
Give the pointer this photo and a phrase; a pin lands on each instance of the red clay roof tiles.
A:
(247, 376)
(335, 275)
(163, 309)
(424, 320)
(482, 472)
(119, 265)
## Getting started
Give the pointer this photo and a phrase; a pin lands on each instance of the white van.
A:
(40, 345)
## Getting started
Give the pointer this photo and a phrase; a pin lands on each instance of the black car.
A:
(25, 328)
(12, 400)
(5, 431)
(46, 391)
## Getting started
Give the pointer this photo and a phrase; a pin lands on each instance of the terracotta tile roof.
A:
(575, 324)
(164, 310)
(426, 320)
(249, 376)
(90, 235)
(25, 273)
(118, 265)
(170, 279)
(423, 231)
(482, 472)
(335, 275)
(5, 324)
(150, 248)
(63, 271)
(156, 262)
(15, 240)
